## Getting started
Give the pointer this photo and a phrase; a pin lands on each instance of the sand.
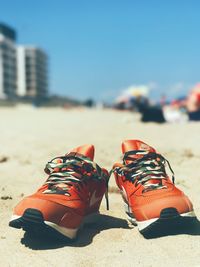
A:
(30, 137)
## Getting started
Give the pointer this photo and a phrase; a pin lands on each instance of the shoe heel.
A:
(129, 214)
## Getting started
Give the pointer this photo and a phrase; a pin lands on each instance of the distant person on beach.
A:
(150, 113)
(193, 104)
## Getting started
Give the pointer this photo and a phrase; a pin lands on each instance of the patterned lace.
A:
(148, 169)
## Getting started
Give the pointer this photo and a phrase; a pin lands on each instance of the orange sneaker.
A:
(71, 194)
(152, 201)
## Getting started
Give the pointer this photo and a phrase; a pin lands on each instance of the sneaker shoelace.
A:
(151, 166)
(72, 169)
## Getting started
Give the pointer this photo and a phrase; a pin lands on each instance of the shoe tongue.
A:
(131, 145)
(85, 150)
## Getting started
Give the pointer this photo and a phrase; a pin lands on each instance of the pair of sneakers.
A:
(75, 186)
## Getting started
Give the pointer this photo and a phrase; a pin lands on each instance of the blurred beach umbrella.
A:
(137, 91)
(132, 92)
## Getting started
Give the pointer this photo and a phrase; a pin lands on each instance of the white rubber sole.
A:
(67, 232)
(145, 224)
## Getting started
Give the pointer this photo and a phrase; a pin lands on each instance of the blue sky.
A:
(98, 48)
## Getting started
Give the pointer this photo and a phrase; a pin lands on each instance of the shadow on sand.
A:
(178, 226)
(105, 222)
(84, 237)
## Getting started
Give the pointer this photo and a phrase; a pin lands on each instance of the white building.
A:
(23, 69)
(7, 62)
(31, 72)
